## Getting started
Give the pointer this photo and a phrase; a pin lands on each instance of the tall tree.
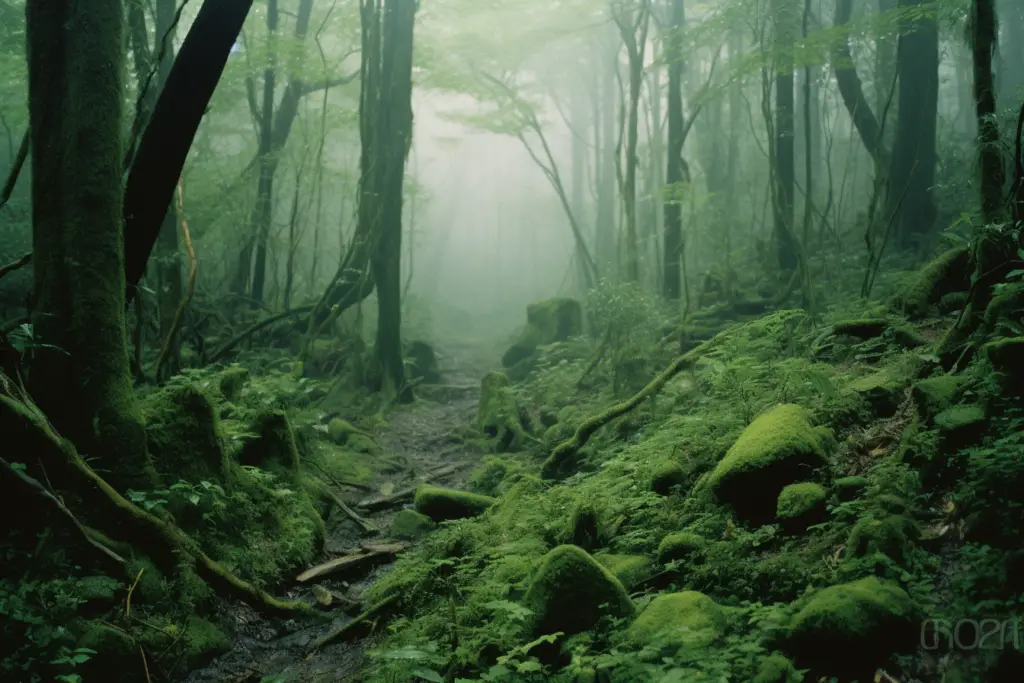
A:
(993, 174)
(672, 252)
(80, 376)
(784, 16)
(850, 88)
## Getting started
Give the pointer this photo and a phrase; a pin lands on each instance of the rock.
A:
(777, 449)
(949, 272)
(630, 570)
(323, 597)
(571, 591)
(682, 546)
(777, 668)
(881, 391)
(1006, 356)
(960, 427)
(442, 505)
(410, 525)
(668, 475)
(232, 380)
(183, 435)
(851, 629)
(585, 527)
(801, 505)
(498, 415)
(547, 322)
(888, 535)
(423, 362)
(274, 447)
(849, 488)
(688, 619)
(935, 394)
(340, 431)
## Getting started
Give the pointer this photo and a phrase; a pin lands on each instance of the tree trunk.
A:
(80, 374)
(605, 163)
(673, 247)
(989, 154)
(785, 125)
(914, 156)
(577, 116)
(850, 87)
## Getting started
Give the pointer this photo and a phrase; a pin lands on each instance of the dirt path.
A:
(421, 438)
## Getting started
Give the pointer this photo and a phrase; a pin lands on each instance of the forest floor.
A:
(420, 441)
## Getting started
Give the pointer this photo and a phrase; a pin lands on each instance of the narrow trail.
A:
(420, 439)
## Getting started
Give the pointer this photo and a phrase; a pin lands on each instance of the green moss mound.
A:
(423, 362)
(688, 619)
(498, 416)
(1006, 357)
(630, 570)
(273, 447)
(442, 505)
(410, 525)
(775, 450)
(667, 476)
(882, 391)
(183, 435)
(572, 591)
(801, 505)
(850, 488)
(887, 535)
(948, 273)
(851, 629)
(231, 381)
(547, 322)
(777, 668)
(682, 546)
(933, 395)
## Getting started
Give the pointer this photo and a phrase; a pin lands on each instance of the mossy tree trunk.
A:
(604, 160)
(672, 253)
(80, 373)
(784, 16)
(993, 174)
(393, 131)
(850, 87)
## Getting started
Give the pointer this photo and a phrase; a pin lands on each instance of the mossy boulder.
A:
(422, 362)
(571, 591)
(682, 546)
(882, 391)
(498, 415)
(442, 505)
(183, 435)
(960, 426)
(340, 431)
(949, 272)
(232, 380)
(410, 525)
(777, 668)
(850, 488)
(547, 322)
(851, 629)
(689, 619)
(668, 475)
(273, 448)
(630, 570)
(933, 395)
(116, 657)
(889, 535)
(1006, 356)
(801, 505)
(584, 528)
(778, 448)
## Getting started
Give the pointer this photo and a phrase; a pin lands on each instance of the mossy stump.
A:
(547, 322)
(801, 505)
(274, 448)
(442, 505)
(183, 435)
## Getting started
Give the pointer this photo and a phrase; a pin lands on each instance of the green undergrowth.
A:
(868, 515)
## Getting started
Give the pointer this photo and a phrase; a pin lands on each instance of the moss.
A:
(688, 619)
(584, 529)
(422, 362)
(682, 546)
(410, 525)
(949, 272)
(274, 447)
(1006, 356)
(549, 321)
(203, 641)
(864, 328)
(889, 535)
(882, 391)
(667, 475)
(571, 591)
(116, 657)
(851, 629)
(849, 488)
(960, 427)
(630, 570)
(498, 414)
(801, 505)
(935, 394)
(776, 449)
(777, 668)
(339, 430)
(183, 435)
(232, 380)
(446, 504)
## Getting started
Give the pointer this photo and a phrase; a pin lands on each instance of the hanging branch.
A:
(189, 290)
(19, 163)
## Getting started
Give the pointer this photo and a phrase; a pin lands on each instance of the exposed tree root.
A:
(349, 629)
(149, 531)
(220, 353)
(563, 458)
(367, 556)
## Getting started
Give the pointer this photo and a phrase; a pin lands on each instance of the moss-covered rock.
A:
(949, 272)
(232, 380)
(960, 426)
(549, 321)
(777, 668)
(630, 570)
(682, 546)
(423, 362)
(667, 476)
(410, 525)
(116, 657)
(183, 435)
(889, 535)
(571, 591)
(274, 447)
(850, 488)
(777, 449)
(882, 391)
(442, 505)
(851, 629)
(1006, 356)
(801, 505)
(688, 619)
(584, 529)
(498, 415)
(934, 394)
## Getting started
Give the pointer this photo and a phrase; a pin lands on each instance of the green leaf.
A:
(428, 675)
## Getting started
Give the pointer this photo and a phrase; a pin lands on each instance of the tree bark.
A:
(849, 84)
(785, 132)
(990, 157)
(673, 246)
(80, 375)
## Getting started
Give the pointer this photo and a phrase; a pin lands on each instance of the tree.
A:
(784, 136)
(993, 174)
(849, 85)
(673, 248)
(80, 375)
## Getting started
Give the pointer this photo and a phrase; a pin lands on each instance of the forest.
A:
(464, 341)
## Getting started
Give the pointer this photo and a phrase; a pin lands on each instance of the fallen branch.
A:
(565, 453)
(160, 537)
(367, 555)
(39, 489)
(352, 514)
(15, 265)
(341, 482)
(348, 629)
(256, 327)
(399, 497)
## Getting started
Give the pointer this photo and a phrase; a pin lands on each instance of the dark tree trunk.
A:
(80, 375)
(990, 156)
(605, 164)
(850, 87)
(785, 132)
(673, 247)
(914, 156)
